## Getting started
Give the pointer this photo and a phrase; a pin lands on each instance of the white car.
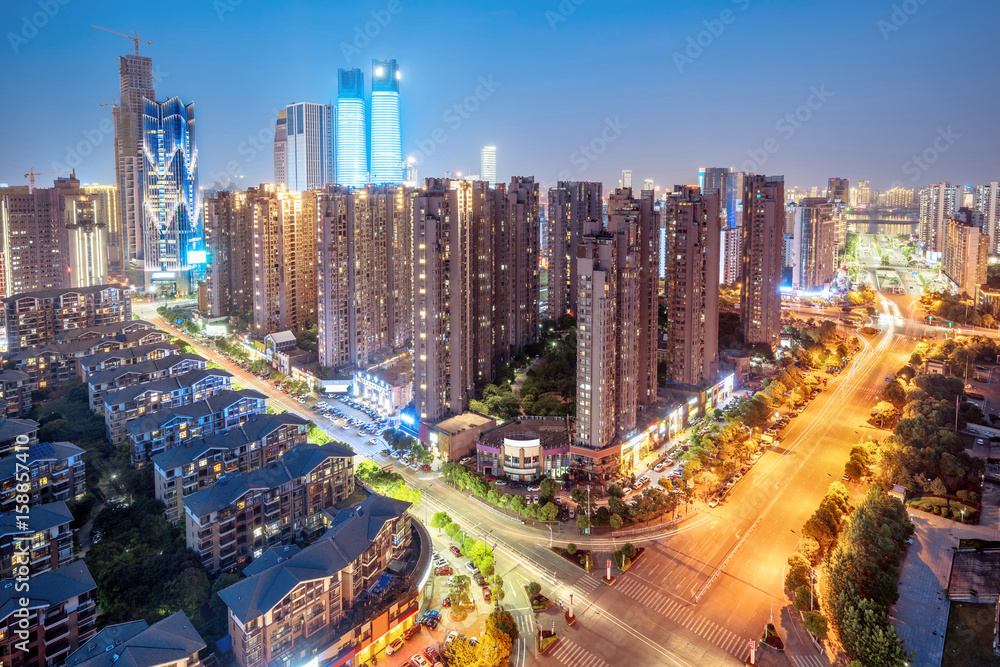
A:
(534, 488)
(419, 661)
(452, 636)
(500, 482)
(659, 467)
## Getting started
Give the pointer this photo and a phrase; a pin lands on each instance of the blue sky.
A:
(577, 89)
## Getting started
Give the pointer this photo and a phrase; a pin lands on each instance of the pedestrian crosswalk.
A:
(686, 616)
(574, 655)
(808, 660)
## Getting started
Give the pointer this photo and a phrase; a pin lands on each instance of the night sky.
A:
(661, 88)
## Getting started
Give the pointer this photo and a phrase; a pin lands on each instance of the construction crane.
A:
(32, 173)
(134, 36)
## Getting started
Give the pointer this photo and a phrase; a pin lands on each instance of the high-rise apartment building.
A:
(308, 147)
(284, 259)
(985, 201)
(616, 319)
(488, 164)
(813, 253)
(626, 178)
(763, 222)
(896, 198)
(136, 79)
(693, 239)
(386, 161)
(280, 147)
(364, 246)
(839, 189)
(864, 194)
(228, 218)
(351, 135)
(173, 239)
(572, 207)
(937, 203)
(474, 299)
(966, 248)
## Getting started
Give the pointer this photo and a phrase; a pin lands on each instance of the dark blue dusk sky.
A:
(621, 77)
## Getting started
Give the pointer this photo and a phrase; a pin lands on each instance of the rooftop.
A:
(43, 451)
(297, 462)
(464, 422)
(553, 432)
(282, 337)
(47, 589)
(211, 405)
(165, 385)
(106, 330)
(137, 644)
(349, 537)
(13, 376)
(128, 353)
(142, 368)
(41, 517)
(53, 293)
(270, 557)
(11, 428)
(256, 428)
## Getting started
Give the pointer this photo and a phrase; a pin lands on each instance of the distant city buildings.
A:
(896, 198)
(693, 237)
(985, 201)
(488, 164)
(763, 222)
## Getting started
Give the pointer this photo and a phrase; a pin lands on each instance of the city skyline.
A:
(857, 128)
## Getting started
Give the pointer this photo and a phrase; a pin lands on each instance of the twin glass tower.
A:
(363, 157)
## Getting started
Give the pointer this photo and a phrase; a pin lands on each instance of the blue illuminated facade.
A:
(352, 144)
(386, 163)
(173, 239)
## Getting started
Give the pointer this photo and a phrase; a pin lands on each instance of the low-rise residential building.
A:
(107, 382)
(103, 361)
(42, 542)
(15, 389)
(294, 607)
(172, 642)
(56, 471)
(112, 330)
(455, 437)
(157, 432)
(525, 449)
(389, 386)
(235, 519)
(39, 317)
(59, 617)
(200, 463)
(53, 364)
(130, 403)
(14, 430)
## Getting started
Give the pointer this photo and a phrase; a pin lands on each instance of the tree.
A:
(501, 621)
(801, 598)
(884, 413)
(534, 589)
(571, 549)
(616, 491)
(440, 520)
(582, 521)
(895, 392)
(615, 521)
(815, 623)
(550, 487)
(628, 550)
(798, 572)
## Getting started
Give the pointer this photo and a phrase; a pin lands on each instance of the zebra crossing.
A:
(574, 655)
(686, 616)
(808, 660)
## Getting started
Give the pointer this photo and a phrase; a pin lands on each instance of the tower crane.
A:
(32, 173)
(134, 36)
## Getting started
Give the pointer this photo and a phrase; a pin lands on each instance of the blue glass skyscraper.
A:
(386, 164)
(172, 233)
(352, 145)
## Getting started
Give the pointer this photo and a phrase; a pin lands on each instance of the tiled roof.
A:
(47, 589)
(134, 644)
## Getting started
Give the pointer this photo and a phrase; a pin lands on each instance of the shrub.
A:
(571, 549)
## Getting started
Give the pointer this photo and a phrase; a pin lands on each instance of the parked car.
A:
(455, 550)
(418, 660)
(452, 636)
(444, 570)
(446, 602)
(394, 647)
(500, 482)
(486, 594)
(425, 467)
(412, 631)
(432, 654)
(471, 567)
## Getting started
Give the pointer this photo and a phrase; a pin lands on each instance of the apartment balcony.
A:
(227, 540)
(53, 620)
(59, 632)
